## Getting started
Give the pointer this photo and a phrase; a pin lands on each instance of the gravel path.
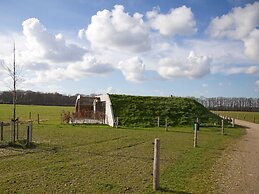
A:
(241, 164)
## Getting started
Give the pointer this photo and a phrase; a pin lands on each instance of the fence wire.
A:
(10, 132)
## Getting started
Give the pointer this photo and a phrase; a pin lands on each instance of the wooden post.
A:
(156, 164)
(166, 127)
(29, 133)
(222, 126)
(195, 142)
(158, 120)
(233, 122)
(29, 115)
(17, 129)
(117, 122)
(38, 118)
(2, 131)
(12, 132)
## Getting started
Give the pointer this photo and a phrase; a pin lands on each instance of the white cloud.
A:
(81, 33)
(252, 70)
(237, 24)
(44, 45)
(192, 67)
(75, 71)
(36, 66)
(133, 69)
(226, 52)
(89, 66)
(252, 44)
(240, 24)
(118, 30)
(116, 35)
(177, 21)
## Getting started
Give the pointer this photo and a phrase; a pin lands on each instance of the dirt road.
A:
(241, 164)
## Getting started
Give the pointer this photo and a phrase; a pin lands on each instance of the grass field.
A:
(101, 159)
(246, 116)
(51, 114)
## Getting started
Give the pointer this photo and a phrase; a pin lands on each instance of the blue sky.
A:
(149, 47)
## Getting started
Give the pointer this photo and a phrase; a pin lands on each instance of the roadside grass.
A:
(101, 159)
(246, 116)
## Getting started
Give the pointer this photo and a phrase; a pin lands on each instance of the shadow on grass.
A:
(167, 190)
(19, 144)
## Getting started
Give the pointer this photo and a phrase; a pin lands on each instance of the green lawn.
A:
(247, 116)
(101, 159)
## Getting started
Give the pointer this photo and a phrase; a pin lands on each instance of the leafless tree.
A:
(15, 77)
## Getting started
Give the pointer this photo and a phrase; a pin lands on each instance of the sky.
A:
(139, 47)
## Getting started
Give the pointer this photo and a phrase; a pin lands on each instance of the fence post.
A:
(29, 133)
(30, 136)
(156, 164)
(2, 132)
(233, 122)
(195, 143)
(222, 126)
(166, 127)
(38, 116)
(117, 122)
(158, 121)
(17, 129)
(12, 131)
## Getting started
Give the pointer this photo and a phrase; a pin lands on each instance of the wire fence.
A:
(15, 132)
(163, 121)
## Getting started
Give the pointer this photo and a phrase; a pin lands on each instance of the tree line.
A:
(37, 98)
(56, 99)
(230, 104)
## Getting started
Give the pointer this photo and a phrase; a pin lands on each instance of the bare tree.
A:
(12, 73)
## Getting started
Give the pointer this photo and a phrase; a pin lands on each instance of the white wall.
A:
(109, 118)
